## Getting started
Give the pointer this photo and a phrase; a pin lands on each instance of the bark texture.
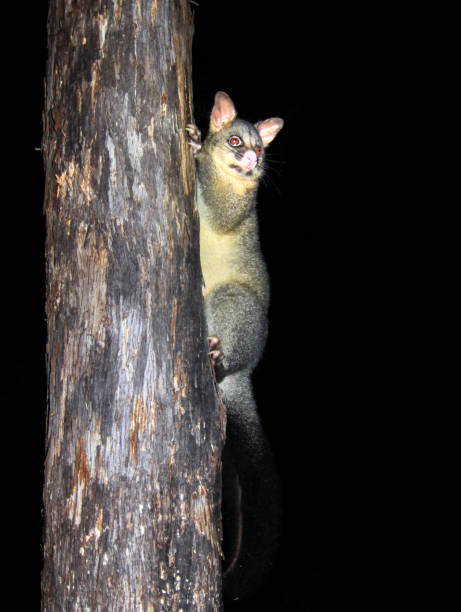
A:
(134, 430)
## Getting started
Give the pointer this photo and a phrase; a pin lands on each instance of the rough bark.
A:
(134, 433)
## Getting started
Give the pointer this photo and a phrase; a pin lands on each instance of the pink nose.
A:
(249, 160)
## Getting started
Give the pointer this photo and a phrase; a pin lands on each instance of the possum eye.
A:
(258, 151)
(235, 141)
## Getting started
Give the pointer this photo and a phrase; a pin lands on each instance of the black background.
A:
(321, 240)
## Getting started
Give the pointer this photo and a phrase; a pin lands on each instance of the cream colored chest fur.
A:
(218, 258)
(227, 258)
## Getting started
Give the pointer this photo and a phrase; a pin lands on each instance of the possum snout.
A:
(249, 160)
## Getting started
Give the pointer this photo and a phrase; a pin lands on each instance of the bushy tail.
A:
(251, 499)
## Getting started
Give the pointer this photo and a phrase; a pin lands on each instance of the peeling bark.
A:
(135, 435)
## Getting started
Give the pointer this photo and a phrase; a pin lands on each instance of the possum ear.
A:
(223, 112)
(269, 129)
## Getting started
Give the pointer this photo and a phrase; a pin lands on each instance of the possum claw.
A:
(195, 138)
(215, 352)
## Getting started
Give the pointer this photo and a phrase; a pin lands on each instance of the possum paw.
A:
(215, 352)
(195, 138)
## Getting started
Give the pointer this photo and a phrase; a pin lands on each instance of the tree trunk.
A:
(135, 434)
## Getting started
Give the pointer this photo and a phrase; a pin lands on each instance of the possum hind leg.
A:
(236, 317)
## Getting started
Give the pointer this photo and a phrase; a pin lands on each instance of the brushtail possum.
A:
(230, 164)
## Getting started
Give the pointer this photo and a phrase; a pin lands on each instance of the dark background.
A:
(312, 67)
